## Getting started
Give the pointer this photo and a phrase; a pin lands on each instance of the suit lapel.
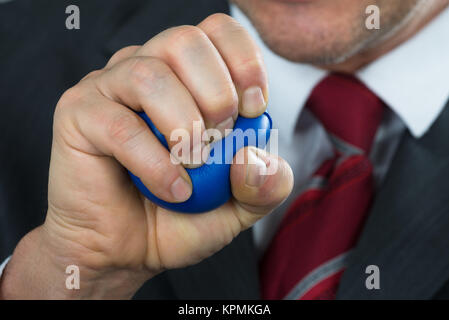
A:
(407, 233)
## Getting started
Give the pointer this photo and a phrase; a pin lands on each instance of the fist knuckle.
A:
(124, 128)
(161, 171)
(253, 66)
(225, 100)
(218, 21)
(92, 74)
(122, 53)
(187, 36)
(146, 71)
(70, 97)
(251, 73)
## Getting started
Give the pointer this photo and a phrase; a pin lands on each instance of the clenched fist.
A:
(96, 218)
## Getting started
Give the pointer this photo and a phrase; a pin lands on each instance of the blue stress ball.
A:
(211, 182)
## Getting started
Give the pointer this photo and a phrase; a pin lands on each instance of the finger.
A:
(146, 83)
(195, 60)
(116, 131)
(243, 59)
(122, 54)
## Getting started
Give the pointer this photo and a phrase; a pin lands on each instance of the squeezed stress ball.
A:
(211, 182)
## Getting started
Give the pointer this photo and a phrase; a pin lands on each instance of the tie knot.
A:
(350, 112)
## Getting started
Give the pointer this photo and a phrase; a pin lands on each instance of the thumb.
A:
(260, 183)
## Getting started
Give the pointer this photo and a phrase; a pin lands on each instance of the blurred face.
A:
(325, 31)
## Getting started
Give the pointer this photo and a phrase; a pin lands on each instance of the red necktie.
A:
(309, 252)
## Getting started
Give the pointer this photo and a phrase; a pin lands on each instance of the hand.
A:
(96, 218)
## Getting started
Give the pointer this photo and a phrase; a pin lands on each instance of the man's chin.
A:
(304, 31)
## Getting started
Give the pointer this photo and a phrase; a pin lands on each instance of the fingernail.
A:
(256, 169)
(226, 124)
(253, 101)
(181, 190)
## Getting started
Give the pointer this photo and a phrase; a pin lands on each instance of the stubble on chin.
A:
(328, 41)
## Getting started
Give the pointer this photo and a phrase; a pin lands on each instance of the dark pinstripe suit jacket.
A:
(407, 234)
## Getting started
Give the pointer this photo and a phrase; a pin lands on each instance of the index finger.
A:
(243, 59)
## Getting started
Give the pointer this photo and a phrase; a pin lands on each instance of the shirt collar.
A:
(410, 79)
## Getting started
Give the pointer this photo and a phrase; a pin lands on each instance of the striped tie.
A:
(308, 255)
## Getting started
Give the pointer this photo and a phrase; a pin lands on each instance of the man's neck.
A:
(412, 27)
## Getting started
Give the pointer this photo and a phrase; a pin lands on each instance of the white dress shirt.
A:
(412, 80)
